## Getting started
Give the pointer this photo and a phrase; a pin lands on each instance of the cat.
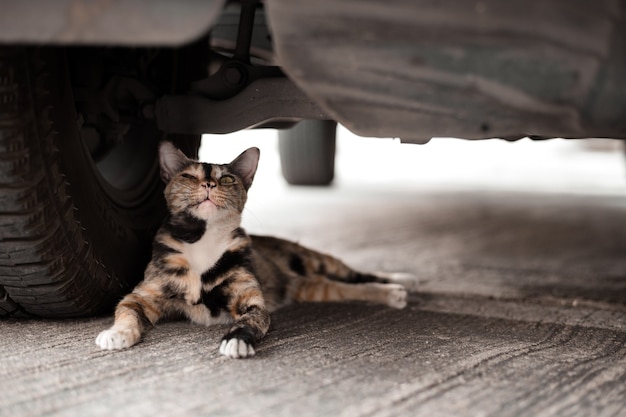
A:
(205, 267)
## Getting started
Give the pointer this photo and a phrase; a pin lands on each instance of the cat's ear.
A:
(244, 166)
(172, 160)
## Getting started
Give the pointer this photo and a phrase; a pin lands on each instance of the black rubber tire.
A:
(70, 244)
(307, 152)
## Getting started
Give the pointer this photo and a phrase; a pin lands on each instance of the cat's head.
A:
(203, 190)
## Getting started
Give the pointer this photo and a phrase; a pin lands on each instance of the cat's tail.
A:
(336, 270)
(309, 262)
(305, 262)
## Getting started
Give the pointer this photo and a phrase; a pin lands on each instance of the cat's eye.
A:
(227, 179)
(188, 176)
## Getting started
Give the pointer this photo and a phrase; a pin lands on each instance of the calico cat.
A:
(205, 267)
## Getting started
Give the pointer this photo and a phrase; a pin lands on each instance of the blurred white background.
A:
(557, 165)
(373, 168)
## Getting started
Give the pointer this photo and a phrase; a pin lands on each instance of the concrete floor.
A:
(519, 309)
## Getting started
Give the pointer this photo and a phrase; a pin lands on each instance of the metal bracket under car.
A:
(268, 102)
(239, 95)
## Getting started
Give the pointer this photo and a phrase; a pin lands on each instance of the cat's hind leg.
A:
(321, 289)
(327, 278)
(134, 315)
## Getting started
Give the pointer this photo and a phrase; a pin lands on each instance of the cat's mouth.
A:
(206, 201)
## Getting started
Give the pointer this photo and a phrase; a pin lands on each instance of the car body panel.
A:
(494, 68)
(106, 22)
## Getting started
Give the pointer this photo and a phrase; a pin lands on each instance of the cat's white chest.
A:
(203, 254)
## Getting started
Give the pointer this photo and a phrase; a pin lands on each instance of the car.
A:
(88, 89)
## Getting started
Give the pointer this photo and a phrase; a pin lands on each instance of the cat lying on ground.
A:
(205, 267)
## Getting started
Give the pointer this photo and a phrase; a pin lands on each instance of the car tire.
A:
(307, 152)
(71, 241)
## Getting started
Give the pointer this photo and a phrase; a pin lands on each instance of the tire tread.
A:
(44, 263)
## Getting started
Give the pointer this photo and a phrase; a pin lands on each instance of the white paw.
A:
(113, 339)
(396, 296)
(236, 348)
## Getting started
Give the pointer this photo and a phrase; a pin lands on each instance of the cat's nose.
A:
(208, 185)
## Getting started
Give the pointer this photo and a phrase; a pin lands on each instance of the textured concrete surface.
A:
(519, 310)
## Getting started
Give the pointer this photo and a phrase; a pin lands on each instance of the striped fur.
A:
(205, 267)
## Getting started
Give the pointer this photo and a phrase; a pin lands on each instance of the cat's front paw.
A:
(113, 339)
(396, 296)
(236, 348)
(238, 342)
